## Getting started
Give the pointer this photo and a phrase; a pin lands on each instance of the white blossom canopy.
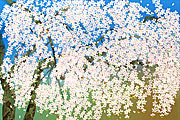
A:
(79, 77)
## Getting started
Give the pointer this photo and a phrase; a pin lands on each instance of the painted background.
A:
(174, 115)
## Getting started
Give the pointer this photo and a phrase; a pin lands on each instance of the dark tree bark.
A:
(8, 101)
(150, 18)
(31, 109)
(30, 112)
(8, 111)
(2, 50)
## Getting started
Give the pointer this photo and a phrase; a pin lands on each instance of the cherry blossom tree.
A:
(79, 59)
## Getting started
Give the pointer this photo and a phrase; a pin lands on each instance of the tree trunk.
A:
(30, 112)
(8, 101)
(8, 112)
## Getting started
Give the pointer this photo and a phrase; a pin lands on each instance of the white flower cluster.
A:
(79, 81)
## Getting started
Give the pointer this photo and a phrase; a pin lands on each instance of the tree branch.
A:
(10, 2)
(100, 39)
(53, 51)
(150, 18)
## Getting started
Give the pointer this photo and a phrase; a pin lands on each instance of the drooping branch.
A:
(53, 51)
